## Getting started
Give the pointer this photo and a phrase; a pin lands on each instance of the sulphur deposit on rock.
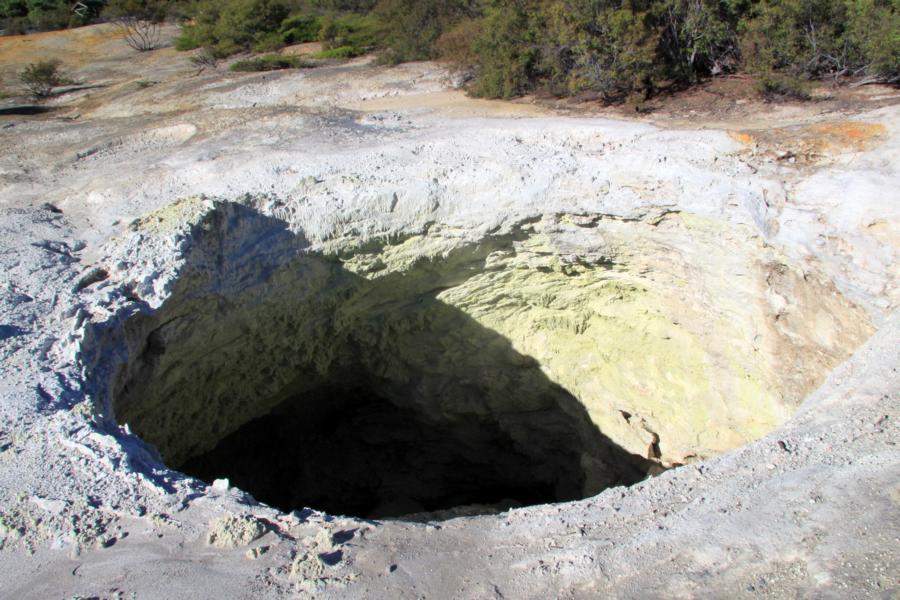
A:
(232, 532)
(345, 333)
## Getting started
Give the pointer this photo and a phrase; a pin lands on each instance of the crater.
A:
(429, 375)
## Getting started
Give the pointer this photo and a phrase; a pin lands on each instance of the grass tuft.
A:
(271, 62)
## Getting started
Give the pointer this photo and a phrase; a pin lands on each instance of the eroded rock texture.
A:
(547, 362)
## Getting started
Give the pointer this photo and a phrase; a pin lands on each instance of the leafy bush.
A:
(337, 6)
(41, 77)
(342, 52)
(298, 29)
(818, 38)
(13, 8)
(873, 31)
(412, 27)
(779, 85)
(270, 62)
(48, 14)
(802, 36)
(147, 10)
(14, 25)
(233, 26)
(190, 38)
(697, 37)
(246, 24)
(610, 51)
(362, 32)
(23, 16)
(457, 45)
(507, 50)
(618, 48)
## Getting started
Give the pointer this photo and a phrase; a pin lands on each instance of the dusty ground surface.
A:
(384, 166)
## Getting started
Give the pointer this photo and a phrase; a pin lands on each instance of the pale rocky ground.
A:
(717, 295)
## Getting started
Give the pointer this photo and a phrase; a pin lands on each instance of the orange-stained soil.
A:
(815, 143)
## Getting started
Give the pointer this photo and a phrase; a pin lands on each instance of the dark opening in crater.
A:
(347, 451)
(309, 385)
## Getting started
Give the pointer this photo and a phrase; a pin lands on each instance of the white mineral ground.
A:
(718, 297)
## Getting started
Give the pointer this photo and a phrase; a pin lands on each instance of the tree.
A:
(820, 38)
(593, 45)
(873, 34)
(697, 37)
(507, 49)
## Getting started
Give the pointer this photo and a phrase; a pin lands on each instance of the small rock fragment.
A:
(233, 532)
(95, 275)
(254, 553)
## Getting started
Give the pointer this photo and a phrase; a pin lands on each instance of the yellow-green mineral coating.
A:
(670, 339)
(681, 336)
(174, 216)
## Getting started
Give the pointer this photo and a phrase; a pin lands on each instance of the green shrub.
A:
(335, 6)
(233, 26)
(299, 29)
(47, 20)
(15, 25)
(507, 50)
(267, 42)
(566, 46)
(148, 10)
(13, 8)
(457, 45)
(632, 48)
(270, 62)
(800, 36)
(873, 32)
(818, 38)
(412, 27)
(190, 38)
(343, 52)
(23, 16)
(775, 86)
(621, 49)
(697, 38)
(245, 23)
(41, 77)
(610, 51)
(362, 32)
(76, 20)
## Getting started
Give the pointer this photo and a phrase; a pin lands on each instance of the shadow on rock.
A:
(308, 384)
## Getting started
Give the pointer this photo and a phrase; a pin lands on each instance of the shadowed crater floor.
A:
(308, 385)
